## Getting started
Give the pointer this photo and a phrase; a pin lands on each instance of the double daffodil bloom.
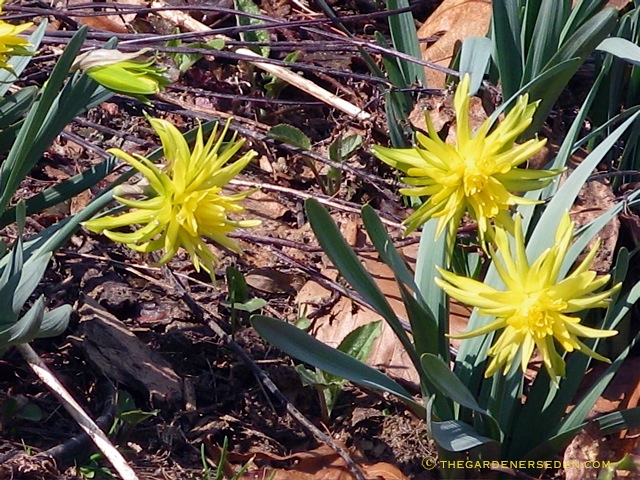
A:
(10, 43)
(185, 202)
(477, 175)
(536, 306)
(123, 72)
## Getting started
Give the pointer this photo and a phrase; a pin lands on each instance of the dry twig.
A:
(187, 22)
(75, 410)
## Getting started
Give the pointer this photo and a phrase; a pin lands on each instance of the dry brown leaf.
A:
(442, 114)
(387, 354)
(631, 223)
(619, 4)
(111, 23)
(595, 199)
(585, 447)
(271, 280)
(454, 20)
(323, 463)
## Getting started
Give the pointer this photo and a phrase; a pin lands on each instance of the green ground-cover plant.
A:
(618, 78)
(357, 344)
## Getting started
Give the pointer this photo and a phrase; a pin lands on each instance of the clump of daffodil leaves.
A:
(479, 176)
(184, 202)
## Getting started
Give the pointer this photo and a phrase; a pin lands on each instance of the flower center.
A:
(535, 314)
(185, 208)
(473, 180)
(473, 175)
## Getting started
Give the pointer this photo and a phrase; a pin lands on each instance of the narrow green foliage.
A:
(357, 344)
(530, 37)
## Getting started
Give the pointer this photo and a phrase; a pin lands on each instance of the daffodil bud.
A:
(122, 72)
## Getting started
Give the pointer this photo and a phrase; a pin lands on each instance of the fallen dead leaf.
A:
(111, 23)
(454, 20)
(387, 354)
(595, 199)
(271, 280)
(442, 114)
(585, 447)
(322, 463)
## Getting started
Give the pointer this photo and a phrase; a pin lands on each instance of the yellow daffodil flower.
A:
(477, 175)
(122, 72)
(186, 203)
(535, 308)
(10, 43)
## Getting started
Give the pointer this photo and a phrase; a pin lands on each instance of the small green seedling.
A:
(357, 344)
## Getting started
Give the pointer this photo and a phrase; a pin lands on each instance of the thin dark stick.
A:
(264, 379)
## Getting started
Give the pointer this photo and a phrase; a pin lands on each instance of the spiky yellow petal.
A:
(533, 309)
(188, 203)
(478, 175)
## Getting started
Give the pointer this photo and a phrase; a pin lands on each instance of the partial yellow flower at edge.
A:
(478, 175)
(10, 43)
(536, 306)
(187, 203)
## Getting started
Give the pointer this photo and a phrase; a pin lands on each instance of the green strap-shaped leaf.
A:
(13, 107)
(609, 423)
(64, 190)
(55, 321)
(26, 329)
(579, 45)
(475, 55)
(506, 28)
(432, 253)
(346, 261)
(453, 435)
(621, 48)
(385, 248)
(405, 39)
(566, 195)
(57, 105)
(32, 272)
(53, 237)
(451, 387)
(448, 384)
(293, 341)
